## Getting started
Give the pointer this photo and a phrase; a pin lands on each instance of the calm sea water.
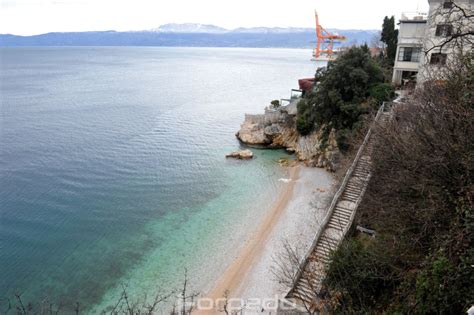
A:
(113, 171)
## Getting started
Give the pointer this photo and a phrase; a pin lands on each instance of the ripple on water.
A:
(112, 165)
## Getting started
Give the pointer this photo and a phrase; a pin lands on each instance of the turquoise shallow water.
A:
(113, 171)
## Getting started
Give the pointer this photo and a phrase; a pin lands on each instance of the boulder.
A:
(272, 130)
(252, 134)
(241, 155)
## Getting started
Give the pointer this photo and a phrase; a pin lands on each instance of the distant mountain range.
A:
(190, 35)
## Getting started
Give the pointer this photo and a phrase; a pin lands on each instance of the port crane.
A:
(325, 42)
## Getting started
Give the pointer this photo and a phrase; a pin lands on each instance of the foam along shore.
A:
(294, 217)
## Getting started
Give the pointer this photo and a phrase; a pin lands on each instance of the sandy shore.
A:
(294, 217)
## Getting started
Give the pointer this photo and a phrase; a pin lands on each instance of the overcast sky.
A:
(26, 17)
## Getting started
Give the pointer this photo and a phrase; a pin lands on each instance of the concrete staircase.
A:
(335, 225)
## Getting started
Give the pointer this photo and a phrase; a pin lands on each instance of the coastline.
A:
(293, 217)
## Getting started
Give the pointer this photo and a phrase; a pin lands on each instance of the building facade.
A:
(408, 58)
(426, 42)
(446, 20)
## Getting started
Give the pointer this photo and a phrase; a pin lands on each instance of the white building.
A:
(408, 58)
(420, 50)
(446, 18)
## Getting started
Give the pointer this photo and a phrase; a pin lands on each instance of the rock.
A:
(252, 134)
(284, 162)
(241, 155)
(272, 130)
(277, 129)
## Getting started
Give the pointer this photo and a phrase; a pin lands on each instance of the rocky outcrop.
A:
(277, 129)
(241, 155)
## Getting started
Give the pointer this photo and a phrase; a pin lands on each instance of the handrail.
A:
(336, 199)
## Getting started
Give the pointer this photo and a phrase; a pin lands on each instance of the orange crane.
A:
(325, 42)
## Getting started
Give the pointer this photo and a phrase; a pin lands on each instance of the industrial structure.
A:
(325, 42)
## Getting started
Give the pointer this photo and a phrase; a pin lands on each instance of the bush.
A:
(419, 201)
(382, 92)
(343, 89)
(304, 119)
(361, 273)
(341, 137)
(275, 103)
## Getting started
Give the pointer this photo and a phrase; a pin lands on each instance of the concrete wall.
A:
(437, 15)
(411, 34)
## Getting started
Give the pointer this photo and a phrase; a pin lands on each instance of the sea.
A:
(113, 173)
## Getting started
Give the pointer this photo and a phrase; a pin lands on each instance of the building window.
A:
(444, 30)
(410, 54)
(448, 4)
(438, 59)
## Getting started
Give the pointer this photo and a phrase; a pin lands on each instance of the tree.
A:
(342, 94)
(389, 37)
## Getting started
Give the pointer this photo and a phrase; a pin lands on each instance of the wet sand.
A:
(294, 217)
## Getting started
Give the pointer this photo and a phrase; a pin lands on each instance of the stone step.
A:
(336, 226)
(348, 199)
(308, 284)
(353, 194)
(344, 219)
(328, 239)
(362, 169)
(364, 163)
(303, 298)
(326, 246)
(360, 176)
(341, 209)
(353, 189)
(305, 287)
(318, 257)
(340, 215)
(356, 181)
(323, 251)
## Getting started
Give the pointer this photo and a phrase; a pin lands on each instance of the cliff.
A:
(276, 128)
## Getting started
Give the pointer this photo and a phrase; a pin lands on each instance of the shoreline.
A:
(232, 277)
(247, 276)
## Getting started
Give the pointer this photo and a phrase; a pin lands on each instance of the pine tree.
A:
(389, 38)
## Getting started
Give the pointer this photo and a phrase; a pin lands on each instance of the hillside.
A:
(190, 35)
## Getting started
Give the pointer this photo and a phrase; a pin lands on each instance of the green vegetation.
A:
(389, 37)
(349, 88)
(382, 92)
(275, 103)
(420, 203)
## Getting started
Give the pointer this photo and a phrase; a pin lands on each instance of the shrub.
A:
(343, 89)
(382, 92)
(304, 119)
(275, 103)
(360, 271)
(419, 201)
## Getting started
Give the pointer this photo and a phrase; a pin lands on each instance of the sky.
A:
(29, 17)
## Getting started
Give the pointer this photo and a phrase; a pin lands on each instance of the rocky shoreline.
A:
(276, 128)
